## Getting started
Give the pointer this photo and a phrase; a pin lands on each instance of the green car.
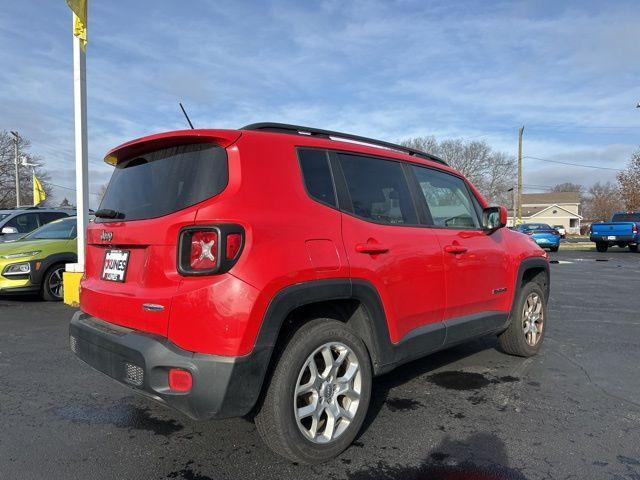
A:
(35, 262)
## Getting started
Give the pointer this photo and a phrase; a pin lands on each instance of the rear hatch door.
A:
(130, 271)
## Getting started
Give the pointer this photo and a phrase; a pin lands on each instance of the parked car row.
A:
(17, 222)
(544, 235)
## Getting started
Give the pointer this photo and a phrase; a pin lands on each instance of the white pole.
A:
(82, 164)
(16, 140)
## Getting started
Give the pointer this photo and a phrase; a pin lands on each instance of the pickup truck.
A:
(622, 231)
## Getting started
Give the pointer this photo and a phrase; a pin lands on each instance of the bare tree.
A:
(568, 187)
(7, 172)
(601, 201)
(629, 183)
(490, 171)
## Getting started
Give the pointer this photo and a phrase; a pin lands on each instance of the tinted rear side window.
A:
(378, 189)
(165, 181)
(317, 175)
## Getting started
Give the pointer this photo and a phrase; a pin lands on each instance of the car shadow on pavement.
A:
(406, 373)
(481, 456)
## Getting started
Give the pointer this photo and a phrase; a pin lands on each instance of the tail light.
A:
(634, 229)
(209, 249)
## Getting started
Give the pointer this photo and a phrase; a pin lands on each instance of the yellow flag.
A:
(79, 8)
(38, 191)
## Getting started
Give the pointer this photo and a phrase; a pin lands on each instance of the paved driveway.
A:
(470, 412)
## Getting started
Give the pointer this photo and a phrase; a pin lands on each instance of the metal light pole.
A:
(520, 132)
(16, 139)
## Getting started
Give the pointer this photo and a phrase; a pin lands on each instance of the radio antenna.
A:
(185, 114)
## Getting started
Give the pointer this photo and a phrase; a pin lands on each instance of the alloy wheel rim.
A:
(532, 319)
(327, 393)
(55, 283)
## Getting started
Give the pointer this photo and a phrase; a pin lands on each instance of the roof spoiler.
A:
(142, 145)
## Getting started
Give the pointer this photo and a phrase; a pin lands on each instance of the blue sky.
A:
(568, 71)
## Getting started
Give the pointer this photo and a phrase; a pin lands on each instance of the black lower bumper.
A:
(619, 239)
(222, 386)
(29, 289)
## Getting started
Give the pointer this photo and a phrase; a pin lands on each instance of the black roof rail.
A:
(317, 132)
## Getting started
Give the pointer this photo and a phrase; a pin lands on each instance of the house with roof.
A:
(553, 208)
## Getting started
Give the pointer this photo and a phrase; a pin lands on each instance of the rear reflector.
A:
(180, 380)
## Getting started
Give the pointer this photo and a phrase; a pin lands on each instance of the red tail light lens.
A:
(234, 242)
(180, 380)
(203, 253)
(634, 229)
(209, 249)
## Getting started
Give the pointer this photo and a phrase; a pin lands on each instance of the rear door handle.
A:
(455, 249)
(371, 248)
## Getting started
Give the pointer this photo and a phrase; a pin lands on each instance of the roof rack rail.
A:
(317, 132)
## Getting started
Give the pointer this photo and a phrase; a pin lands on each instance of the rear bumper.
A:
(222, 386)
(547, 242)
(619, 238)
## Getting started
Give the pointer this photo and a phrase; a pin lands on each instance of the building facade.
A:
(554, 208)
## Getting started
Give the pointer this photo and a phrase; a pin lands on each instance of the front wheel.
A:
(52, 288)
(602, 247)
(526, 331)
(318, 395)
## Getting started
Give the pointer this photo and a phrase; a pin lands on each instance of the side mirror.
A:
(494, 218)
(8, 230)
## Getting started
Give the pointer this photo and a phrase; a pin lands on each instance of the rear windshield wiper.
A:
(108, 213)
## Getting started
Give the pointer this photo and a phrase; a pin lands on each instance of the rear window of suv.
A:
(626, 217)
(165, 181)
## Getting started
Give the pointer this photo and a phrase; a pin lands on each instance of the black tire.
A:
(49, 292)
(554, 249)
(275, 420)
(633, 247)
(513, 340)
(601, 247)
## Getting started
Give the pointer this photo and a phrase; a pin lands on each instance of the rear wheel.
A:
(526, 331)
(601, 246)
(52, 288)
(633, 247)
(318, 395)
(554, 249)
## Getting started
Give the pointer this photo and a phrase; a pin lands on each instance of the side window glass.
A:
(317, 176)
(447, 198)
(46, 217)
(24, 223)
(378, 190)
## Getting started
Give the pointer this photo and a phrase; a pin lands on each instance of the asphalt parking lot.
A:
(467, 413)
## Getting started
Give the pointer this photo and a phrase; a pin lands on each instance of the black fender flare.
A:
(530, 263)
(369, 320)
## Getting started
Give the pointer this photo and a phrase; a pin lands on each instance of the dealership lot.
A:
(571, 412)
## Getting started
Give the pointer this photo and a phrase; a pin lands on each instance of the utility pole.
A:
(520, 132)
(16, 139)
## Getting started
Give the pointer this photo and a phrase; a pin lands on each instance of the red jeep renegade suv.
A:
(275, 269)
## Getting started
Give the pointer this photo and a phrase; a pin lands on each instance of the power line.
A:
(66, 188)
(575, 164)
